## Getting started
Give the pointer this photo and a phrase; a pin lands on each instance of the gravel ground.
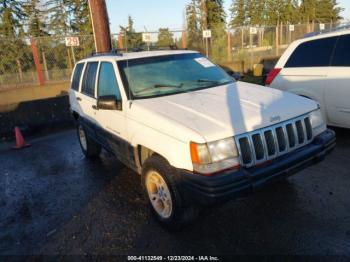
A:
(54, 201)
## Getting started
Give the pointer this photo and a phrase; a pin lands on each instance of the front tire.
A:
(89, 147)
(163, 195)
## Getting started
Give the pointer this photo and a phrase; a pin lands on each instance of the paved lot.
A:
(54, 201)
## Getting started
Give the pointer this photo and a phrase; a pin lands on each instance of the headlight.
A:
(212, 157)
(317, 123)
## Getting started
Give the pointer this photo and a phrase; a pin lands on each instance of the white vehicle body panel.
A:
(337, 96)
(166, 125)
(221, 112)
(329, 86)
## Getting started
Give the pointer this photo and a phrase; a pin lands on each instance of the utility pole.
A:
(100, 25)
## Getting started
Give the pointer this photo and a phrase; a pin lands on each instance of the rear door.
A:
(74, 92)
(88, 97)
(337, 90)
(306, 69)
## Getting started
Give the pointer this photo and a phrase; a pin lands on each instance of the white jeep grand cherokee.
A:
(194, 135)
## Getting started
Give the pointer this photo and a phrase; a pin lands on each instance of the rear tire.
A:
(165, 202)
(89, 147)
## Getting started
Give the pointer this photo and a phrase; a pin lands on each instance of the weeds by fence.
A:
(240, 47)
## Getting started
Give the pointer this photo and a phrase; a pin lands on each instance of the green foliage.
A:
(36, 24)
(81, 19)
(131, 38)
(275, 12)
(11, 13)
(327, 11)
(59, 16)
(165, 37)
(216, 23)
(238, 13)
(194, 40)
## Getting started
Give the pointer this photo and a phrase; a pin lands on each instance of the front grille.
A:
(268, 143)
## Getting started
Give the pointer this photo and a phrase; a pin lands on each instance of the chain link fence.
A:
(46, 60)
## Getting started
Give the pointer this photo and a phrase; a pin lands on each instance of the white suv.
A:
(194, 135)
(318, 68)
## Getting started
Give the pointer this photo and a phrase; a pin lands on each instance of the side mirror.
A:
(235, 75)
(109, 103)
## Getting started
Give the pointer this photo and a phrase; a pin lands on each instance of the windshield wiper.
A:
(207, 81)
(159, 86)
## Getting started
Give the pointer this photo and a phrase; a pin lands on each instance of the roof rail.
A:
(120, 51)
(338, 28)
(150, 48)
(112, 52)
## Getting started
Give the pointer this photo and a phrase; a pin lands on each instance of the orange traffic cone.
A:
(20, 143)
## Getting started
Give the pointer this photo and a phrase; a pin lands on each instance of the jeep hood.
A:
(222, 111)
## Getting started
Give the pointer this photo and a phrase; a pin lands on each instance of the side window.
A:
(76, 76)
(107, 82)
(89, 80)
(313, 53)
(342, 54)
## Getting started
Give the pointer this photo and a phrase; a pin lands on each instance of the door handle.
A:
(94, 107)
(78, 98)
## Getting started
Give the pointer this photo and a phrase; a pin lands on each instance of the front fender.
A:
(176, 152)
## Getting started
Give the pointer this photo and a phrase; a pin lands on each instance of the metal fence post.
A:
(120, 41)
(229, 50)
(184, 40)
(45, 66)
(39, 71)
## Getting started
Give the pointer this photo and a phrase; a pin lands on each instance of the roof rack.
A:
(112, 52)
(120, 51)
(341, 27)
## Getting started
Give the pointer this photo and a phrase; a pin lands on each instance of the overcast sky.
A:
(153, 14)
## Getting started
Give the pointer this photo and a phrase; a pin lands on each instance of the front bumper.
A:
(230, 184)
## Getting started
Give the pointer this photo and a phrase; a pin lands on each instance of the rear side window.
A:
(89, 80)
(342, 54)
(313, 53)
(76, 76)
(107, 82)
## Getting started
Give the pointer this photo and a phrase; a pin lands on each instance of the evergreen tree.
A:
(194, 39)
(327, 11)
(308, 11)
(213, 14)
(12, 47)
(11, 13)
(238, 13)
(165, 37)
(256, 12)
(81, 19)
(59, 16)
(36, 24)
(132, 38)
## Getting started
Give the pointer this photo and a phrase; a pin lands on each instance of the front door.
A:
(112, 133)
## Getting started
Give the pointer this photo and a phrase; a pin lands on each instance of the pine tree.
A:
(238, 13)
(165, 37)
(81, 19)
(194, 40)
(11, 13)
(213, 15)
(59, 12)
(256, 12)
(327, 11)
(36, 24)
(133, 39)
(308, 10)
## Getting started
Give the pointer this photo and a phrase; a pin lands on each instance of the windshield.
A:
(170, 74)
